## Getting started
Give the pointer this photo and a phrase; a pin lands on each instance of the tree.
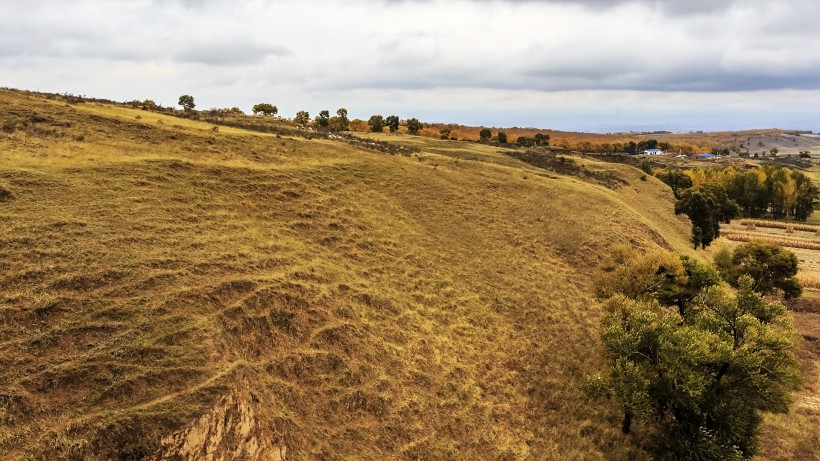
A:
(674, 280)
(728, 209)
(265, 109)
(302, 118)
(502, 137)
(807, 193)
(706, 206)
(187, 102)
(323, 119)
(700, 207)
(340, 122)
(413, 126)
(541, 139)
(701, 377)
(676, 180)
(525, 141)
(376, 123)
(484, 135)
(392, 122)
(770, 266)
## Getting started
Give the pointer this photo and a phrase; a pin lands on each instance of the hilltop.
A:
(174, 291)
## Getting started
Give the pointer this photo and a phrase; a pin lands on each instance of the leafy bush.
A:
(699, 376)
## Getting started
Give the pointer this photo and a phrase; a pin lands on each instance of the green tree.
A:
(340, 122)
(701, 207)
(302, 118)
(541, 139)
(323, 119)
(392, 122)
(265, 109)
(187, 102)
(525, 141)
(502, 137)
(676, 180)
(770, 266)
(413, 126)
(376, 123)
(807, 194)
(484, 135)
(701, 377)
(728, 209)
(706, 206)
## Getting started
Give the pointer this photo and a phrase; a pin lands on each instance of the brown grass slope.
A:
(170, 292)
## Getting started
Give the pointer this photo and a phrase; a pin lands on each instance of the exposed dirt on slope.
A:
(231, 430)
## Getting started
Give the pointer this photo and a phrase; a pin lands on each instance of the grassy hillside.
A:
(172, 292)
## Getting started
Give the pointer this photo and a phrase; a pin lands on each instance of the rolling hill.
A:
(172, 291)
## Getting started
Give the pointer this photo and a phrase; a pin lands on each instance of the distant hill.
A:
(172, 290)
(788, 142)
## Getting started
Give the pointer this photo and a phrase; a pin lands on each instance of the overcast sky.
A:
(584, 65)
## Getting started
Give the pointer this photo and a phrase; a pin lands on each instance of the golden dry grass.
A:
(809, 280)
(164, 287)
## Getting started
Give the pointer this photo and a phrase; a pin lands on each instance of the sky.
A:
(577, 65)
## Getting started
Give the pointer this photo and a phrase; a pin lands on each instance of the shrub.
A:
(770, 266)
(699, 377)
(5, 194)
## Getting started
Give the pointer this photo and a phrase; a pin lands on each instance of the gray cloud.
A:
(228, 54)
(237, 51)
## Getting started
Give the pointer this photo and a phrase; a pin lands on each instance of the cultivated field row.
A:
(793, 242)
(780, 225)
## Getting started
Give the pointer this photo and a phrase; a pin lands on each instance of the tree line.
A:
(718, 195)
